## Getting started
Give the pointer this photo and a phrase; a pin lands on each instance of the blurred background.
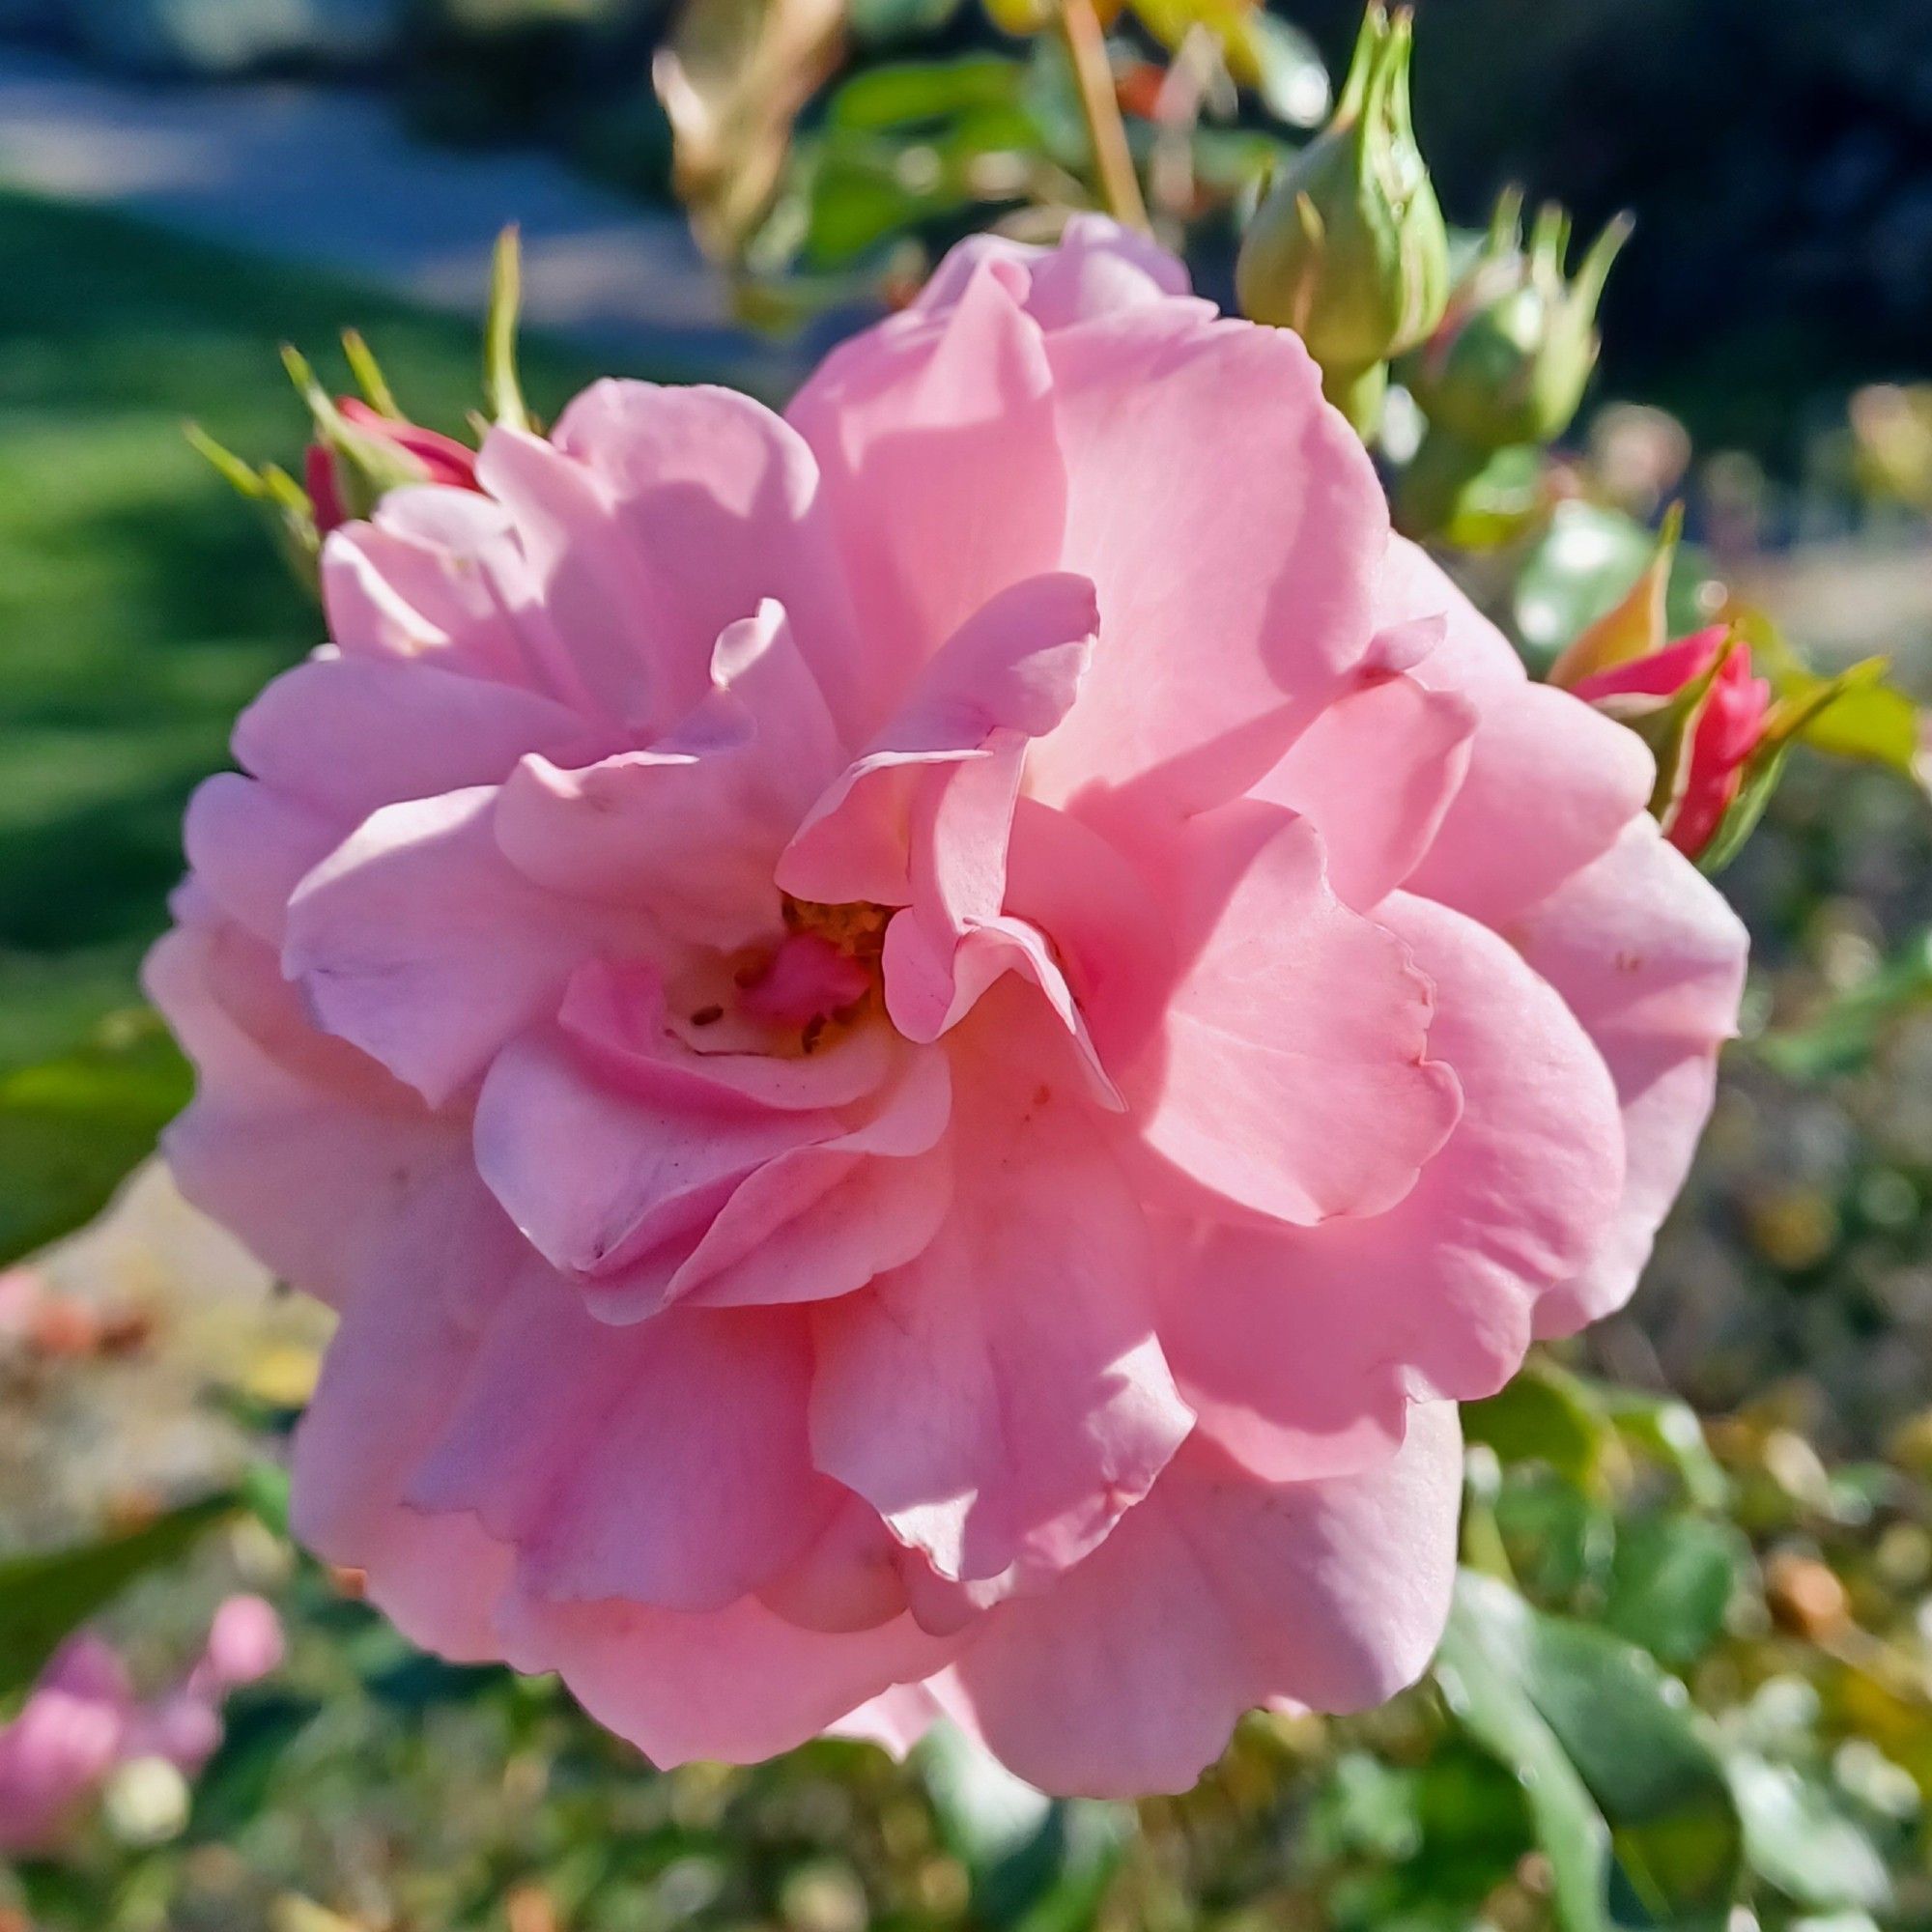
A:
(1718, 1510)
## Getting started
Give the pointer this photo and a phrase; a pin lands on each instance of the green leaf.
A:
(1034, 1864)
(1495, 506)
(1631, 1803)
(909, 93)
(259, 1727)
(73, 1128)
(1876, 723)
(1671, 1582)
(1582, 567)
(1482, 1689)
(1867, 719)
(1545, 1414)
(1364, 1807)
(1800, 1840)
(1558, 1539)
(47, 1596)
(1666, 1428)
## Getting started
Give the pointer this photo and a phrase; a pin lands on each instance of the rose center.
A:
(857, 930)
(795, 996)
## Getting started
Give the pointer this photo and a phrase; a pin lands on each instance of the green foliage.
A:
(1032, 1863)
(47, 1596)
(1841, 1037)
(71, 1127)
(1580, 567)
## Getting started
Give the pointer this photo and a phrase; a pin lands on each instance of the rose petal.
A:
(1292, 1079)
(1217, 1594)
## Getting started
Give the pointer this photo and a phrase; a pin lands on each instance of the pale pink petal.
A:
(60, 1748)
(1652, 961)
(1002, 1400)
(892, 827)
(1550, 784)
(740, 1684)
(895, 1719)
(249, 848)
(1564, 780)
(722, 498)
(245, 1642)
(388, 1384)
(931, 987)
(436, 579)
(418, 942)
(1232, 614)
(1301, 1350)
(665, 1463)
(600, 593)
(1421, 614)
(924, 819)
(304, 1148)
(347, 734)
(1217, 1594)
(1112, 939)
(1376, 773)
(823, 1220)
(647, 1166)
(1099, 266)
(690, 829)
(942, 472)
(619, 1017)
(1292, 1077)
(847, 1579)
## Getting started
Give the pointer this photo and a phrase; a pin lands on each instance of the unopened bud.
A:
(1348, 248)
(1513, 355)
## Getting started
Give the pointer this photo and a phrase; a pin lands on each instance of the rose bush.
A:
(923, 1043)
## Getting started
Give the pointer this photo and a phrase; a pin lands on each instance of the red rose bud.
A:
(363, 453)
(1713, 731)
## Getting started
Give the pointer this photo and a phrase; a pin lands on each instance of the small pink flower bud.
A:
(245, 1642)
(1726, 730)
(346, 475)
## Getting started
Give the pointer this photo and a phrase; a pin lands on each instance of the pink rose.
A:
(924, 1042)
(1726, 732)
(57, 1751)
(426, 453)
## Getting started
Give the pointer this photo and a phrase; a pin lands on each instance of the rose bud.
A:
(1348, 250)
(1511, 360)
(363, 453)
(1711, 712)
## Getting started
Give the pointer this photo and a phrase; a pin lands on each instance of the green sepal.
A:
(283, 500)
(501, 381)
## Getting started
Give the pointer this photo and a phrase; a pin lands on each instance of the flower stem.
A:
(1113, 160)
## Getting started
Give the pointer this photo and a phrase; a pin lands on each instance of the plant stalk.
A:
(1093, 78)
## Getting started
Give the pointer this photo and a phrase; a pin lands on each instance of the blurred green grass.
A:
(141, 603)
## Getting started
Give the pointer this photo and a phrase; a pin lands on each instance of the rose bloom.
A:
(1725, 734)
(924, 1042)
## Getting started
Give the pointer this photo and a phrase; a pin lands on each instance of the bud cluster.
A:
(1348, 250)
